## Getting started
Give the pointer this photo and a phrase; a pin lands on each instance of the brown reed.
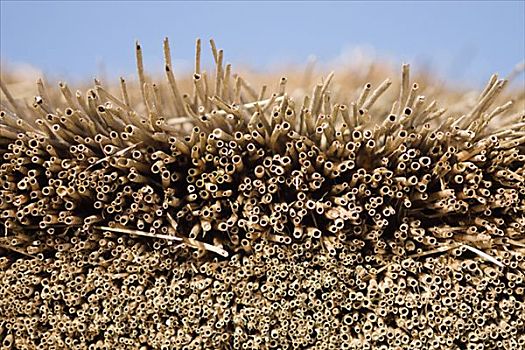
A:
(207, 213)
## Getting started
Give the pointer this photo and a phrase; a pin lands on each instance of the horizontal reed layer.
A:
(96, 292)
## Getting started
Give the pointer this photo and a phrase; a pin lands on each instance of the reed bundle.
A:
(203, 213)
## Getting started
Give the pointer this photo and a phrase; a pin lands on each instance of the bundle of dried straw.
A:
(354, 217)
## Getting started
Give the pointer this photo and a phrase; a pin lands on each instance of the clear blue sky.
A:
(462, 40)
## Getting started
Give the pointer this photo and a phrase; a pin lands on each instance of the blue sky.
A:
(463, 41)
